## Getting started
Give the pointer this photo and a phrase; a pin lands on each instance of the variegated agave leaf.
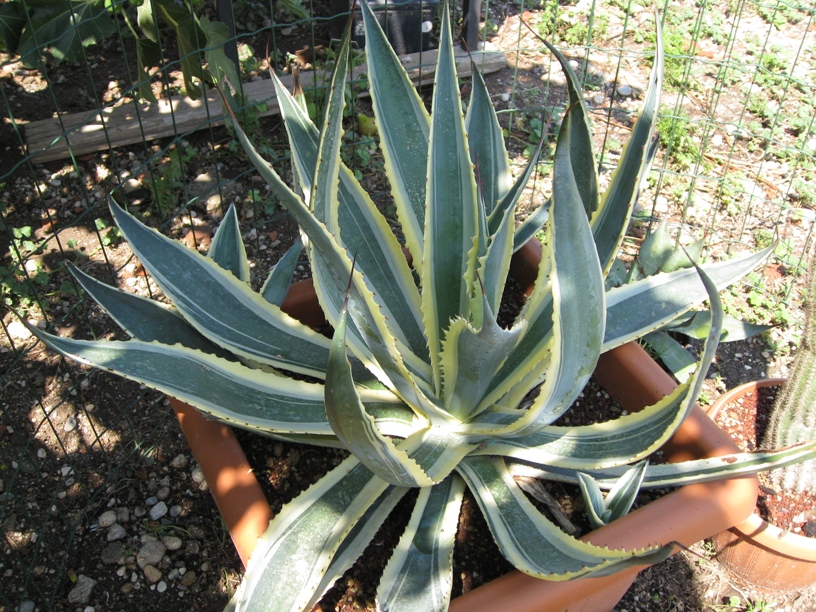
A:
(419, 382)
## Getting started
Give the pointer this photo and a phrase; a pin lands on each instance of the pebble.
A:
(163, 493)
(505, 97)
(161, 587)
(197, 474)
(17, 331)
(26, 606)
(81, 593)
(179, 461)
(151, 553)
(70, 424)
(151, 501)
(175, 511)
(188, 578)
(624, 90)
(107, 518)
(131, 185)
(171, 542)
(158, 511)
(152, 573)
(113, 553)
(116, 532)
(598, 99)
(122, 515)
(41, 454)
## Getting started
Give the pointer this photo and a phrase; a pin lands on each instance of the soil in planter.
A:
(746, 420)
(284, 470)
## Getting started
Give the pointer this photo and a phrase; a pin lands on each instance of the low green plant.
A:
(658, 254)
(419, 382)
(108, 235)
(24, 278)
(678, 135)
(167, 178)
(65, 27)
(736, 604)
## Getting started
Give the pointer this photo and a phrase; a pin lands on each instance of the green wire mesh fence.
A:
(82, 451)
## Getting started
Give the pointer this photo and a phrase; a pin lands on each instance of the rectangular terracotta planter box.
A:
(686, 515)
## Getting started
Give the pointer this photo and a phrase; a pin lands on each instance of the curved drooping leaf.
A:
(544, 551)
(358, 539)
(221, 307)
(577, 296)
(637, 308)
(419, 574)
(610, 443)
(610, 221)
(226, 390)
(582, 152)
(144, 319)
(294, 553)
(356, 428)
(688, 472)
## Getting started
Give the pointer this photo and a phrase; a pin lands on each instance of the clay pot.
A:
(686, 515)
(756, 551)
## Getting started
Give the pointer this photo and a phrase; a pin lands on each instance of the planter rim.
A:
(763, 533)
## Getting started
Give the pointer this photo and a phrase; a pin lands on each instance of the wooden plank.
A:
(135, 122)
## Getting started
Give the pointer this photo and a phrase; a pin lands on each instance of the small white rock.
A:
(624, 90)
(18, 331)
(70, 424)
(158, 511)
(505, 97)
(107, 518)
(197, 474)
(116, 532)
(153, 574)
(171, 542)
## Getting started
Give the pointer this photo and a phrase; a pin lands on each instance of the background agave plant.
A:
(419, 381)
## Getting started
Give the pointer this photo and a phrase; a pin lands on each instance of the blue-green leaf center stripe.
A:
(451, 223)
(223, 308)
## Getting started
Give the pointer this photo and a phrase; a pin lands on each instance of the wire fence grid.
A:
(735, 167)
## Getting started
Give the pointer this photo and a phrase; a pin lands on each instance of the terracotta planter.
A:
(686, 515)
(756, 551)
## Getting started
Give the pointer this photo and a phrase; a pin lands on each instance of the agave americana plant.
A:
(419, 382)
